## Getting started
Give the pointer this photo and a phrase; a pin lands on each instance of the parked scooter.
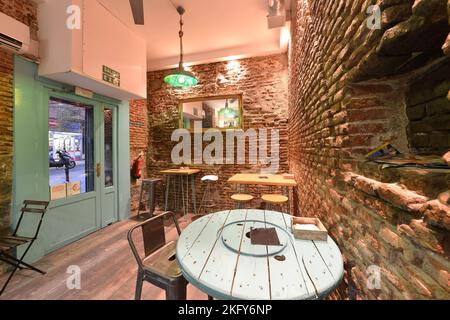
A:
(65, 160)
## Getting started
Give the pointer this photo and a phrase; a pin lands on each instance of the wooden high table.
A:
(189, 174)
(271, 180)
(215, 255)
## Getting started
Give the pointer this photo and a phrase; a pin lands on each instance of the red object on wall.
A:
(137, 167)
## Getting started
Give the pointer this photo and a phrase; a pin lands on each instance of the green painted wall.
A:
(68, 219)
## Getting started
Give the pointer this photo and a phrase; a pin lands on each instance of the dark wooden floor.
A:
(108, 270)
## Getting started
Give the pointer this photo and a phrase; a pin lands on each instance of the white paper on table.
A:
(311, 227)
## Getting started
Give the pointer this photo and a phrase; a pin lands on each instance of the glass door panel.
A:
(71, 148)
(108, 116)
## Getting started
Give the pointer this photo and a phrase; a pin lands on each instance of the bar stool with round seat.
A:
(240, 199)
(208, 196)
(275, 201)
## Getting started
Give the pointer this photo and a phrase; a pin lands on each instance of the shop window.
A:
(71, 148)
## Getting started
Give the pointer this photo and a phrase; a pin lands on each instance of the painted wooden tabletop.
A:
(183, 172)
(256, 179)
(216, 256)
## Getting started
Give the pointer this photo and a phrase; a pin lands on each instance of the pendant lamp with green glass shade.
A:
(227, 116)
(181, 78)
(227, 112)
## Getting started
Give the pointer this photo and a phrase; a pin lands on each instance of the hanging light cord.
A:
(181, 12)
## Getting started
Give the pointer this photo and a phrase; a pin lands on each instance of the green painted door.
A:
(87, 131)
(73, 128)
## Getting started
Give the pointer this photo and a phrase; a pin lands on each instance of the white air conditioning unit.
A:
(14, 35)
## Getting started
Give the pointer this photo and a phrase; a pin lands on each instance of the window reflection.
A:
(219, 113)
(109, 165)
(71, 148)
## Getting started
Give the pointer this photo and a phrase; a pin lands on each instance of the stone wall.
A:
(349, 92)
(262, 81)
(24, 11)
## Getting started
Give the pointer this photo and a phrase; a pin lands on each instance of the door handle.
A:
(99, 170)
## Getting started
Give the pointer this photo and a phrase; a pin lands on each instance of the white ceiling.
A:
(215, 30)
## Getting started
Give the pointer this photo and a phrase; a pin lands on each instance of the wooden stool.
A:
(240, 199)
(274, 200)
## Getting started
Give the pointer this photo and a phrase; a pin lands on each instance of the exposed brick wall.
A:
(6, 134)
(24, 11)
(263, 81)
(139, 143)
(349, 88)
(428, 108)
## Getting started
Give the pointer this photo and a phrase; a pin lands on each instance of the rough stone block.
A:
(421, 139)
(390, 237)
(444, 197)
(416, 112)
(398, 196)
(439, 106)
(437, 214)
(395, 14)
(446, 157)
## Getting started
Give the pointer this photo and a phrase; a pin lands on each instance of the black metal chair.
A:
(159, 265)
(8, 243)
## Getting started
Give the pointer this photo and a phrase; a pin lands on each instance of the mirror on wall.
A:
(221, 112)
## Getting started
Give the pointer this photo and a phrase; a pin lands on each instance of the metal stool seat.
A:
(241, 198)
(210, 178)
(274, 200)
(207, 200)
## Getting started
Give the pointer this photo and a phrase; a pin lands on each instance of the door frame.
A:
(30, 160)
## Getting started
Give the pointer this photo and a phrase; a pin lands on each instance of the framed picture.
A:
(218, 112)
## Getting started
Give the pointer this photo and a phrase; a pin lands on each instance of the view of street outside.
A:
(58, 175)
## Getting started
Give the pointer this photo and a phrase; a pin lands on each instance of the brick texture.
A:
(351, 89)
(428, 109)
(6, 133)
(263, 81)
(139, 144)
(24, 11)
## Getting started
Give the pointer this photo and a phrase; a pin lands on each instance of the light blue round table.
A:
(215, 255)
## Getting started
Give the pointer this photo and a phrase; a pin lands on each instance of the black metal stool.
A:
(151, 184)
